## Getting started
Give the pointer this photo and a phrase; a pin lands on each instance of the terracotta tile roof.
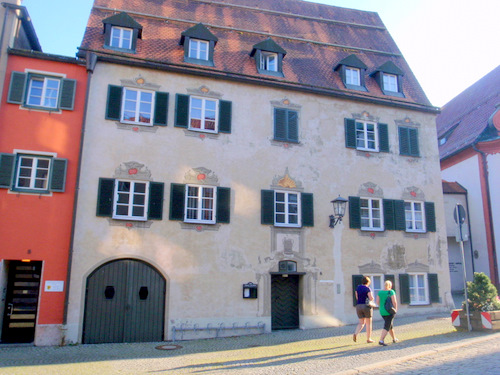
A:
(316, 37)
(466, 116)
(453, 188)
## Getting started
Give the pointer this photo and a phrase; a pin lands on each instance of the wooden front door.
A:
(21, 303)
(285, 302)
(124, 302)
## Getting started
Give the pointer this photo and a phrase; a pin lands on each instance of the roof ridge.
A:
(327, 20)
(249, 31)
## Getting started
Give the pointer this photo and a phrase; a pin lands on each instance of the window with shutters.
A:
(408, 141)
(41, 91)
(203, 114)
(371, 214)
(284, 208)
(286, 125)
(366, 135)
(377, 283)
(200, 204)
(30, 173)
(414, 216)
(123, 199)
(131, 105)
(419, 294)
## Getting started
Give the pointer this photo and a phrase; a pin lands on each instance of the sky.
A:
(449, 44)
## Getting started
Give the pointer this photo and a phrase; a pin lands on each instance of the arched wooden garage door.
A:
(124, 302)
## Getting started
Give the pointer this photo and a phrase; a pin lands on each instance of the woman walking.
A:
(363, 309)
(388, 316)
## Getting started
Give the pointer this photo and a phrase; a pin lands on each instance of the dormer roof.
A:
(123, 20)
(268, 45)
(353, 61)
(198, 31)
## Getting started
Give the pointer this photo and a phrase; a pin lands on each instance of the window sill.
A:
(285, 144)
(129, 224)
(199, 61)
(137, 128)
(199, 227)
(41, 109)
(30, 192)
(118, 49)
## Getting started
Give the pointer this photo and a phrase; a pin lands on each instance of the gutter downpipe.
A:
(494, 265)
(470, 234)
(91, 60)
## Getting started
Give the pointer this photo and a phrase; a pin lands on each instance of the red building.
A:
(41, 116)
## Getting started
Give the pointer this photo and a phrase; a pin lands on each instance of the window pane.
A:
(122, 210)
(138, 211)
(123, 198)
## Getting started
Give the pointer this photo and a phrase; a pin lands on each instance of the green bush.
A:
(482, 294)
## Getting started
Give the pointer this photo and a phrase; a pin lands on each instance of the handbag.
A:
(388, 305)
(370, 303)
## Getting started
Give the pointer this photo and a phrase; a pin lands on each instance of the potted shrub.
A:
(484, 305)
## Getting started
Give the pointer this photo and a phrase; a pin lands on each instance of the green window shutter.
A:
(225, 114)
(161, 109)
(105, 197)
(404, 284)
(392, 279)
(355, 212)
(433, 287)
(181, 110)
(350, 132)
(280, 119)
(135, 36)
(293, 126)
(307, 210)
(267, 207)
(58, 177)
(399, 215)
(177, 192)
(404, 141)
(155, 204)
(67, 99)
(223, 213)
(7, 162)
(414, 148)
(389, 218)
(356, 280)
(383, 137)
(430, 216)
(114, 104)
(16, 88)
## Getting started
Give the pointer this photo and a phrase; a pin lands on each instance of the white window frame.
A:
(352, 76)
(365, 136)
(47, 93)
(411, 216)
(124, 37)
(203, 113)
(269, 61)
(130, 203)
(199, 49)
(369, 212)
(36, 173)
(199, 208)
(390, 82)
(415, 298)
(285, 208)
(373, 277)
(138, 104)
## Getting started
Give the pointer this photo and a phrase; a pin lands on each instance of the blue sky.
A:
(449, 44)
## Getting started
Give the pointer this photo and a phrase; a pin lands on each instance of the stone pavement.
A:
(425, 341)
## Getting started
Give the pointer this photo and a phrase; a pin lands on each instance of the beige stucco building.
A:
(198, 178)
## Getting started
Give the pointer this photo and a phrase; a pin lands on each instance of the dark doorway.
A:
(284, 302)
(21, 303)
(124, 302)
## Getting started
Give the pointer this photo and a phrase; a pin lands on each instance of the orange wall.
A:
(38, 227)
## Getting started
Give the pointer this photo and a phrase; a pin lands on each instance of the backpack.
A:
(388, 304)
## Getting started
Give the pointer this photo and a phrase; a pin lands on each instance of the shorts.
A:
(388, 319)
(364, 311)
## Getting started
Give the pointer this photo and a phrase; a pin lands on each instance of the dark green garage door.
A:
(124, 302)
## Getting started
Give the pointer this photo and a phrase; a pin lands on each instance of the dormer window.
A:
(121, 33)
(199, 44)
(121, 37)
(268, 57)
(352, 72)
(269, 61)
(390, 79)
(198, 49)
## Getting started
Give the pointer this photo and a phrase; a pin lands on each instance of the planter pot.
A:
(480, 321)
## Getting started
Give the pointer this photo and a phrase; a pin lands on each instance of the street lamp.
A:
(339, 205)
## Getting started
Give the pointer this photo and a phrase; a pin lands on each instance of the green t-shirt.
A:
(383, 295)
